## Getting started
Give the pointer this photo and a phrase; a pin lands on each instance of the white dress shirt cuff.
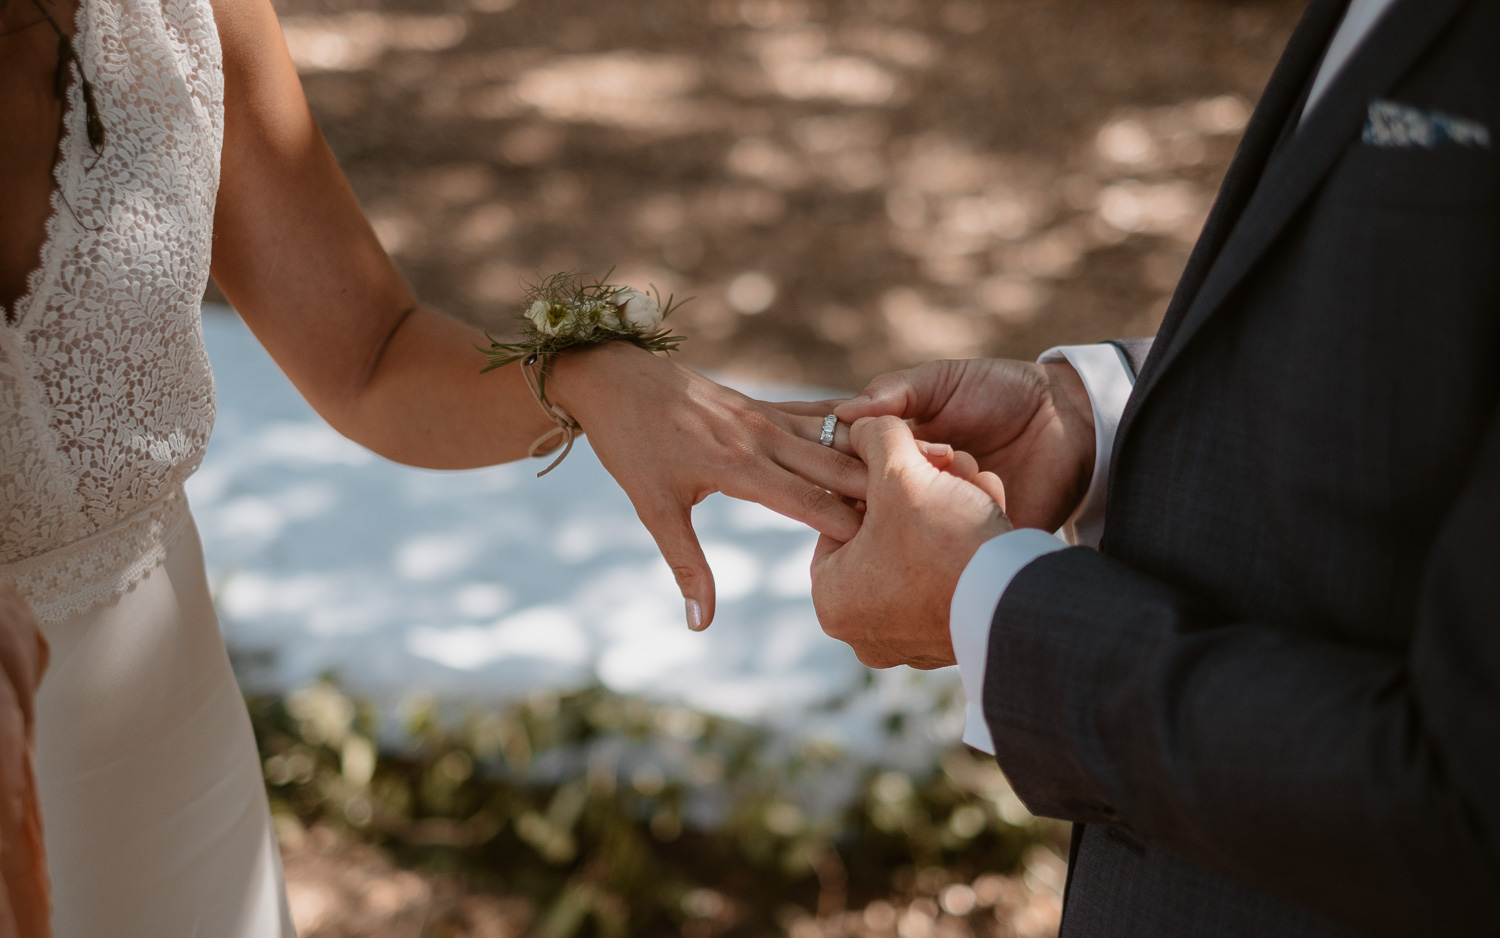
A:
(978, 593)
(1108, 379)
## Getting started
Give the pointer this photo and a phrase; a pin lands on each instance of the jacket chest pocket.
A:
(1438, 179)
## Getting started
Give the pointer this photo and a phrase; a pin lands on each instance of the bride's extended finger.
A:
(806, 408)
(824, 466)
(964, 466)
(797, 498)
(672, 527)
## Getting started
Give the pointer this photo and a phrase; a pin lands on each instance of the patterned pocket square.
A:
(1390, 124)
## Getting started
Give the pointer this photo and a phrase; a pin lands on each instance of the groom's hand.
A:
(1030, 424)
(887, 591)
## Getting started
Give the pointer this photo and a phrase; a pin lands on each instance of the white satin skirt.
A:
(154, 810)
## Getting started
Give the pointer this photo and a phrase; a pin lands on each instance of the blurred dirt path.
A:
(341, 889)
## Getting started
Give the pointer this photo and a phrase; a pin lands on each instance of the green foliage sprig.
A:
(564, 311)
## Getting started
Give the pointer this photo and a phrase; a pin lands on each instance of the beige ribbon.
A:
(567, 427)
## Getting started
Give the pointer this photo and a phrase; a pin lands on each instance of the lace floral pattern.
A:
(106, 399)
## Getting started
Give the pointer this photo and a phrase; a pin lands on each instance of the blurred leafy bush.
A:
(618, 816)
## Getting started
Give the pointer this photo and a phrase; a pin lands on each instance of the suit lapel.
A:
(1254, 207)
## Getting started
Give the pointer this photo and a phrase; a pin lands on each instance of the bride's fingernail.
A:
(694, 615)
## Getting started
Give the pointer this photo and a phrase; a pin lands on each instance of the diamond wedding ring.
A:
(830, 424)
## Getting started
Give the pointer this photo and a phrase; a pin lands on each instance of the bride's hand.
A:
(671, 438)
(298, 260)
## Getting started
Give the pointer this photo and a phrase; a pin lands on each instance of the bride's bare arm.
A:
(296, 257)
(24, 903)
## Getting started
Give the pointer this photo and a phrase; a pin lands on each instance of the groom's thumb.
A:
(672, 527)
(885, 444)
(890, 394)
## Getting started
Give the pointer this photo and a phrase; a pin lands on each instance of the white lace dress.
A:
(154, 810)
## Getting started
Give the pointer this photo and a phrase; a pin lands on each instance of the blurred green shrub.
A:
(617, 816)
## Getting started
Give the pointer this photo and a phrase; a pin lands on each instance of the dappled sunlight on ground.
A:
(846, 186)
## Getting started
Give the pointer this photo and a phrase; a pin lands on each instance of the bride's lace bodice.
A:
(106, 400)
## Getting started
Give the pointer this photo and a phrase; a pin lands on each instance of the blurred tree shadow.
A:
(847, 186)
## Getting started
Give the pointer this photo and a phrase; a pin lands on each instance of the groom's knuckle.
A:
(839, 629)
(830, 618)
(873, 428)
(686, 574)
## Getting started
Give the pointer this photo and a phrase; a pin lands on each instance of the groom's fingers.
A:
(990, 484)
(672, 527)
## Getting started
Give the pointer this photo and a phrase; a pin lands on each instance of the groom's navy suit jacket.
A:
(1273, 698)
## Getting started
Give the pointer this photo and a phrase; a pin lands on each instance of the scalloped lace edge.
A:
(72, 580)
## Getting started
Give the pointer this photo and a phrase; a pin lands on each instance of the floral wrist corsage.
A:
(563, 312)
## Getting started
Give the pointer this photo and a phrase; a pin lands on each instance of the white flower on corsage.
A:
(638, 311)
(562, 312)
(549, 319)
